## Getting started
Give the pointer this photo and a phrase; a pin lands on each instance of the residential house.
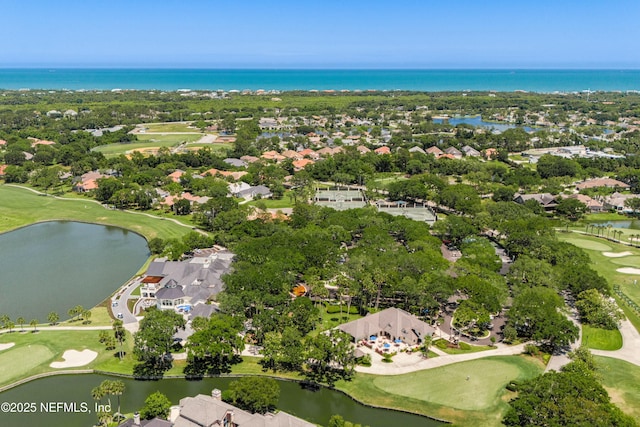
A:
(298, 165)
(593, 205)
(362, 149)
(392, 323)
(238, 163)
(88, 181)
(176, 175)
(137, 422)
(259, 191)
(294, 155)
(470, 151)
(236, 187)
(3, 169)
(273, 155)
(226, 174)
(382, 150)
(194, 281)
(417, 149)
(249, 159)
(546, 200)
(602, 182)
(434, 151)
(490, 153)
(170, 200)
(616, 202)
(308, 152)
(453, 151)
(211, 411)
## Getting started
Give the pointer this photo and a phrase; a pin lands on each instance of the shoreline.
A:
(183, 377)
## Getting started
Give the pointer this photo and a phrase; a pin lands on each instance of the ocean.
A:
(285, 80)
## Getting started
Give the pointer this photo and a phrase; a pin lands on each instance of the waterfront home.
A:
(616, 202)
(172, 284)
(209, 411)
(392, 324)
(88, 181)
(593, 205)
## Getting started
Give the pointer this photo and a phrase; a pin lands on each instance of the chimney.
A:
(216, 394)
(136, 418)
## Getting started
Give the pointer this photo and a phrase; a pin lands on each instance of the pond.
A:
(314, 406)
(477, 121)
(629, 223)
(54, 266)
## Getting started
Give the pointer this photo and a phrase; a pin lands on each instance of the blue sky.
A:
(320, 34)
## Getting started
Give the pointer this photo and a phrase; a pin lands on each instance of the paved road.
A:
(630, 350)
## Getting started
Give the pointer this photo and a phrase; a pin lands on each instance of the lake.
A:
(478, 122)
(629, 223)
(54, 266)
(315, 406)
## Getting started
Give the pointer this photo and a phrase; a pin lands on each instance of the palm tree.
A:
(20, 321)
(428, 340)
(34, 324)
(608, 229)
(117, 389)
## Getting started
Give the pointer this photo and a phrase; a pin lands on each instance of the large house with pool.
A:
(186, 285)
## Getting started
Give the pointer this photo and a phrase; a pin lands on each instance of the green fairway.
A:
(607, 266)
(601, 339)
(21, 207)
(33, 352)
(169, 127)
(146, 142)
(16, 363)
(588, 244)
(445, 392)
(621, 380)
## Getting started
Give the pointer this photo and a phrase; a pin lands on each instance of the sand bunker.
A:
(616, 254)
(73, 358)
(6, 346)
(629, 270)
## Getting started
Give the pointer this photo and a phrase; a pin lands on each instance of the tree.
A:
(212, 348)
(120, 335)
(563, 399)
(535, 315)
(53, 318)
(597, 310)
(633, 204)
(86, 316)
(33, 323)
(572, 209)
(152, 342)
(156, 405)
(254, 394)
(156, 245)
(21, 321)
(330, 357)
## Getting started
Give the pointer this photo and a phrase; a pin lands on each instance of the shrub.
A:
(333, 309)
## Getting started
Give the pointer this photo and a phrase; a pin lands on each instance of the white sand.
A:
(616, 254)
(629, 270)
(73, 358)
(6, 346)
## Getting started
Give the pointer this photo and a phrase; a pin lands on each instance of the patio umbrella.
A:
(398, 341)
(373, 337)
(387, 345)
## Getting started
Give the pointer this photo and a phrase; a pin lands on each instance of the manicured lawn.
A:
(169, 127)
(146, 141)
(331, 320)
(22, 207)
(470, 349)
(621, 380)
(445, 392)
(601, 339)
(215, 147)
(285, 202)
(33, 352)
(169, 138)
(99, 317)
(590, 244)
(250, 366)
(607, 266)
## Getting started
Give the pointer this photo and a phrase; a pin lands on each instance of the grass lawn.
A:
(285, 202)
(331, 320)
(621, 380)
(445, 392)
(22, 207)
(607, 266)
(99, 317)
(469, 348)
(215, 147)
(601, 339)
(169, 127)
(250, 366)
(146, 141)
(33, 352)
